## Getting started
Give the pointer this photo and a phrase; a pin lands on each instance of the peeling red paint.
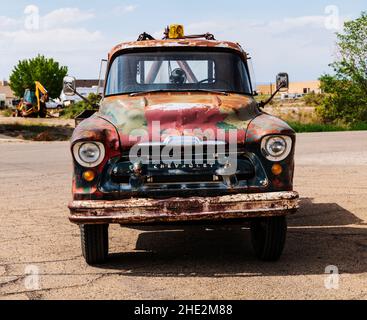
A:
(179, 112)
(266, 124)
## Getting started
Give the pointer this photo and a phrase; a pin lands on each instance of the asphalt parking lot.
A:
(330, 229)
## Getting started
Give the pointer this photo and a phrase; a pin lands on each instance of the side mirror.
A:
(282, 81)
(69, 86)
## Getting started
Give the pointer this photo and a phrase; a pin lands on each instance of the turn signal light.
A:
(276, 169)
(89, 176)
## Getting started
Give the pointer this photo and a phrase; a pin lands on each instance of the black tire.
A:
(43, 111)
(94, 239)
(268, 237)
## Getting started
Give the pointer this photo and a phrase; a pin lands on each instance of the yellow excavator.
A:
(33, 103)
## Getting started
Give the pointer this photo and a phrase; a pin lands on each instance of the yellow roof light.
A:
(176, 31)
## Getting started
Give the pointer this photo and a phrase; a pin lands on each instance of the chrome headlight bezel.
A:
(266, 142)
(83, 162)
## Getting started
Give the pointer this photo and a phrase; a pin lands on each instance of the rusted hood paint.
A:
(96, 129)
(178, 114)
(266, 124)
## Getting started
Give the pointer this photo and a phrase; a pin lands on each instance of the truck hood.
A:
(157, 116)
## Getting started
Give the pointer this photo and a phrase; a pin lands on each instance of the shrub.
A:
(7, 113)
(75, 109)
(313, 99)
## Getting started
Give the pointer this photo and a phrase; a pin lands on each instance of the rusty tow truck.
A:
(179, 138)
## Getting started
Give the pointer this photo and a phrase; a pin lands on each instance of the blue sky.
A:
(280, 35)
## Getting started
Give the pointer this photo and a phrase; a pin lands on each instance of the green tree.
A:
(47, 71)
(346, 91)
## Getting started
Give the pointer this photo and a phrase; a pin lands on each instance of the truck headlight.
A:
(276, 148)
(89, 154)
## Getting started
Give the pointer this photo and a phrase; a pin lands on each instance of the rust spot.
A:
(176, 43)
(138, 210)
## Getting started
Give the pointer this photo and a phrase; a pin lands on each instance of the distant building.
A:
(87, 83)
(6, 95)
(302, 87)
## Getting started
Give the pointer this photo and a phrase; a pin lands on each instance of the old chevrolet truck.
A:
(178, 137)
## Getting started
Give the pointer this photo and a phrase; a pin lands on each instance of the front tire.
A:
(268, 237)
(94, 240)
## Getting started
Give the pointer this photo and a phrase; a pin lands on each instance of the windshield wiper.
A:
(211, 91)
(134, 94)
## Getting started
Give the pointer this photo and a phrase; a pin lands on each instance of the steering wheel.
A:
(214, 81)
(178, 76)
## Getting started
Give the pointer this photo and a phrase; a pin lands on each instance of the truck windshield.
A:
(178, 70)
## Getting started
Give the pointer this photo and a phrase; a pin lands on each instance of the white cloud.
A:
(60, 35)
(303, 46)
(7, 23)
(58, 30)
(271, 26)
(65, 17)
(124, 9)
(286, 24)
(62, 39)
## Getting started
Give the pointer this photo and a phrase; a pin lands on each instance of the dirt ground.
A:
(47, 121)
(36, 129)
(40, 255)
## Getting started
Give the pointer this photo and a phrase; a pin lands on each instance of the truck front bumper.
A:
(150, 211)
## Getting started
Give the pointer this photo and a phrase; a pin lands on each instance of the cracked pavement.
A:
(187, 262)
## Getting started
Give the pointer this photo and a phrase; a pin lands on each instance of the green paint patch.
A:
(226, 126)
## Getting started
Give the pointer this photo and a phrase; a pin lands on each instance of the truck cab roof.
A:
(169, 43)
